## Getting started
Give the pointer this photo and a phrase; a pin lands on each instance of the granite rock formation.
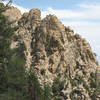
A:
(54, 51)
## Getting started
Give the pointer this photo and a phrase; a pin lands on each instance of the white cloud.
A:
(22, 9)
(61, 13)
(88, 11)
(89, 6)
(91, 11)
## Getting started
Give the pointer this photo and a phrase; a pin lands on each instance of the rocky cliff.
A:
(58, 57)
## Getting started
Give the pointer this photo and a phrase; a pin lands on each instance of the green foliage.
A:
(73, 82)
(3, 78)
(35, 90)
(76, 81)
(12, 94)
(75, 94)
(47, 92)
(57, 87)
(93, 80)
(95, 86)
(4, 48)
(13, 81)
(42, 71)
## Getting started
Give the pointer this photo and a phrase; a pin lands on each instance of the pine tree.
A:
(5, 36)
(13, 82)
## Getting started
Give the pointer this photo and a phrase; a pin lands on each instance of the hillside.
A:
(62, 61)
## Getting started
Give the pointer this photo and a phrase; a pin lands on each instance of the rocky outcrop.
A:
(63, 55)
(27, 25)
(59, 57)
(13, 14)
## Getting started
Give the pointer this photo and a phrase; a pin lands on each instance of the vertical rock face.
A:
(63, 55)
(27, 25)
(58, 56)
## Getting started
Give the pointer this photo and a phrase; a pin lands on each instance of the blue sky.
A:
(57, 4)
(81, 15)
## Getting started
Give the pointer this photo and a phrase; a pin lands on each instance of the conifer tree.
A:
(13, 82)
(5, 36)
